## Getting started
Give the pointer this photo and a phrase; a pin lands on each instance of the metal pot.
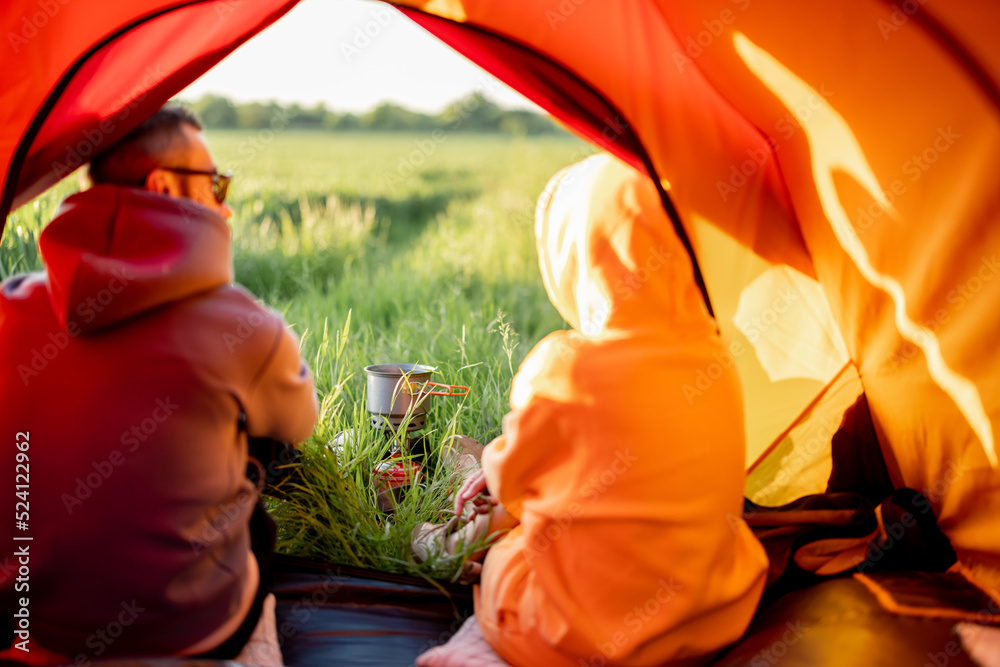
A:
(398, 391)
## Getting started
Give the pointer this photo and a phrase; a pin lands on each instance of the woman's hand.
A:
(474, 485)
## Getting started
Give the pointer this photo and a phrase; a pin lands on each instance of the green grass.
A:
(381, 248)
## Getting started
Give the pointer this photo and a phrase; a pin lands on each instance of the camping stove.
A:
(405, 432)
(410, 441)
(398, 398)
(391, 424)
(407, 454)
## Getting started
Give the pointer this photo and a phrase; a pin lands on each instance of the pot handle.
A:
(453, 390)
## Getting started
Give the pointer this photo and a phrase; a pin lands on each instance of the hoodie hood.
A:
(609, 257)
(114, 252)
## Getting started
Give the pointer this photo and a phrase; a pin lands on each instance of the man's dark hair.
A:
(128, 161)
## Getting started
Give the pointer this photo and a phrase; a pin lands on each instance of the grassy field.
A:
(377, 249)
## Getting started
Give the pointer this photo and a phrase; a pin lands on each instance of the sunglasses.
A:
(220, 182)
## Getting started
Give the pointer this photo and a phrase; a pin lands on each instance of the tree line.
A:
(474, 113)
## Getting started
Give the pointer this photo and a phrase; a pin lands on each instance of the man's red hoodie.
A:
(124, 367)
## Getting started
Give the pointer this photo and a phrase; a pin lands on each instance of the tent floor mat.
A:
(390, 620)
(329, 614)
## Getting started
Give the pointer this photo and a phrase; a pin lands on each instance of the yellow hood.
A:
(609, 259)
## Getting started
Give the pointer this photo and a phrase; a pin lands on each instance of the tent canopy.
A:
(830, 167)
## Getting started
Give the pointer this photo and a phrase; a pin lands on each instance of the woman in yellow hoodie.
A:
(625, 494)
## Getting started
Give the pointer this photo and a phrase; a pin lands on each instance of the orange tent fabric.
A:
(631, 548)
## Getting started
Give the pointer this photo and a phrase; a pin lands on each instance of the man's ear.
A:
(162, 182)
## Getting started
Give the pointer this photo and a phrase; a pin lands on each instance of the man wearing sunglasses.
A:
(136, 371)
(168, 154)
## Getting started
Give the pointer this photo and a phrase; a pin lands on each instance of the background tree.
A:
(473, 113)
(215, 111)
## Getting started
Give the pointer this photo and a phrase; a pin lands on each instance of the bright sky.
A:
(351, 54)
